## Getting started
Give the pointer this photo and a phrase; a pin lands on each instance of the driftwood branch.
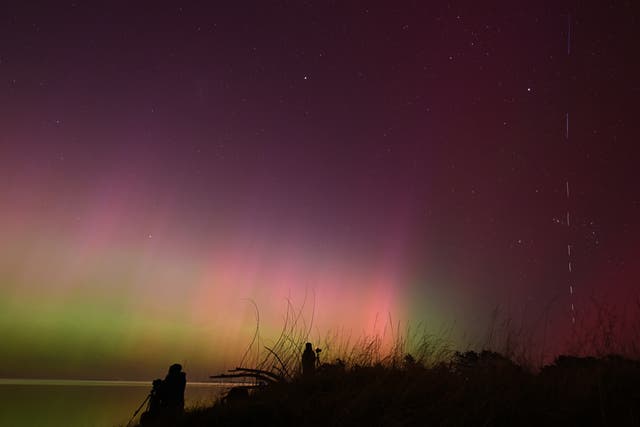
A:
(276, 377)
(246, 375)
(266, 376)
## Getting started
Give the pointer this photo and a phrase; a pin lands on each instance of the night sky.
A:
(162, 162)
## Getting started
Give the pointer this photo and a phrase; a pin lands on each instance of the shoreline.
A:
(107, 383)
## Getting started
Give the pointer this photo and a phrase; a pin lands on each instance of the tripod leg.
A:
(138, 410)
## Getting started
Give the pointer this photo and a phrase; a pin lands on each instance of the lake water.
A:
(54, 403)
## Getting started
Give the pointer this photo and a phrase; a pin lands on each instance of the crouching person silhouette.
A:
(154, 405)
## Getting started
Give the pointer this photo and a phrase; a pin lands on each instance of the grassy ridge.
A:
(416, 379)
(473, 389)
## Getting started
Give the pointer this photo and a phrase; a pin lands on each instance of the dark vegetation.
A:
(475, 389)
(419, 381)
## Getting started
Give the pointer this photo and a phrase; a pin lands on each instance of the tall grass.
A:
(607, 328)
(408, 376)
(394, 347)
(603, 329)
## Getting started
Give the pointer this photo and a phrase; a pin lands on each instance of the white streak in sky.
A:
(568, 35)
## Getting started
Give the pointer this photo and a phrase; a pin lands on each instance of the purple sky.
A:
(418, 142)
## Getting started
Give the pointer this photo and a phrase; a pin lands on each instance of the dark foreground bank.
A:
(473, 389)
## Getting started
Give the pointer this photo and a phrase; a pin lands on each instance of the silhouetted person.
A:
(308, 361)
(173, 389)
(166, 400)
(154, 405)
(154, 397)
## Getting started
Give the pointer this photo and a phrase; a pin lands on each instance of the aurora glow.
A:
(160, 166)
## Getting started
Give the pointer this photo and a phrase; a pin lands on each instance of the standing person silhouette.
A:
(308, 361)
(173, 390)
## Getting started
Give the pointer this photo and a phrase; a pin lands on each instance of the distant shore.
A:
(69, 382)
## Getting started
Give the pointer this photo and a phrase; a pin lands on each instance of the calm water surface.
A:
(83, 403)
